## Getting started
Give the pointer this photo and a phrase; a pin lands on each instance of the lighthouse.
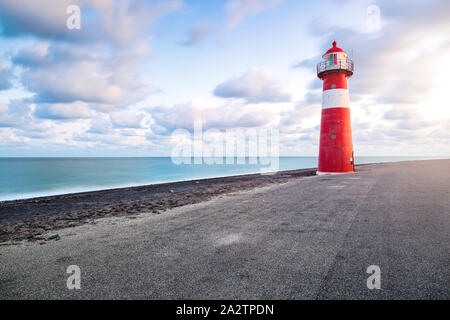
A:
(336, 146)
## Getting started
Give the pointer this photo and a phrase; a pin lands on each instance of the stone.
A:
(54, 237)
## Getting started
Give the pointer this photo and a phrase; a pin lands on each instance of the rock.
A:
(54, 237)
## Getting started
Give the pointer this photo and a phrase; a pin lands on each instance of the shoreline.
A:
(78, 189)
(30, 219)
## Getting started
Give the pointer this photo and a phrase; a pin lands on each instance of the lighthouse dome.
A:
(334, 49)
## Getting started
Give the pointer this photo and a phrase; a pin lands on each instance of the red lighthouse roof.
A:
(334, 49)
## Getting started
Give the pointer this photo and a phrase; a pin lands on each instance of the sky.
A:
(136, 71)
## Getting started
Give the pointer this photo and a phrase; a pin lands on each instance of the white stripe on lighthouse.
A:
(335, 98)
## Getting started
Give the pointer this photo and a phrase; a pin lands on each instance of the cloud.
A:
(114, 139)
(59, 73)
(63, 111)
(127, 119)
(415, 124)
(14, 114)
(197, 34)
(119, 22)
(313, 97)
(41, 18)
(100, 125)
(227, 116)
(238, 10)
(441, 132)
(78, 74)
(408, 118)
(6, 75)
(255, 86)
(293, 119)
(101, 68)
(46, 54)
(401, 113)
(85, 83)
(125, 22)
(309, 63)
(36, 130)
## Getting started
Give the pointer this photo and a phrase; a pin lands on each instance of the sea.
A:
(23, 178)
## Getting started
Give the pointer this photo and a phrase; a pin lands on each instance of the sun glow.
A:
(438, 105)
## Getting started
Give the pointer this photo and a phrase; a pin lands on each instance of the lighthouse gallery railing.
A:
(341, 65)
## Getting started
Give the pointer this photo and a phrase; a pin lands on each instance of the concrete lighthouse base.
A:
(323, 173)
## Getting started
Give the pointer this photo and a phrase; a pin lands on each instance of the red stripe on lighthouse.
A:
(336, 147)
(335, 80)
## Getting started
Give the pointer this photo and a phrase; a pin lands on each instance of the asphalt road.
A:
(311, 238)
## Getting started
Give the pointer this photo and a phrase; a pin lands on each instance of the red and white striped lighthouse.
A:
(336, 146)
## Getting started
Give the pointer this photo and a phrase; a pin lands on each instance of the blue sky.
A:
(138, 70)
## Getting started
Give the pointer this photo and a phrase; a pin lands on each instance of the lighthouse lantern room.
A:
(336, 146)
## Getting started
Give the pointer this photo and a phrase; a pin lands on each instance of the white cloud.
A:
(63, 111)
(127, 119)
(100, 125)
(255, 86)
(79, 74)
(119, 22)
(295, 118)
(14, 114)
(64, 74)
(36, 130)
(6, 75)
(222, 117)
(238, 10)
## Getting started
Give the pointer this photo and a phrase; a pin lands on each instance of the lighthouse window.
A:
(333, 136)
(333, 58)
